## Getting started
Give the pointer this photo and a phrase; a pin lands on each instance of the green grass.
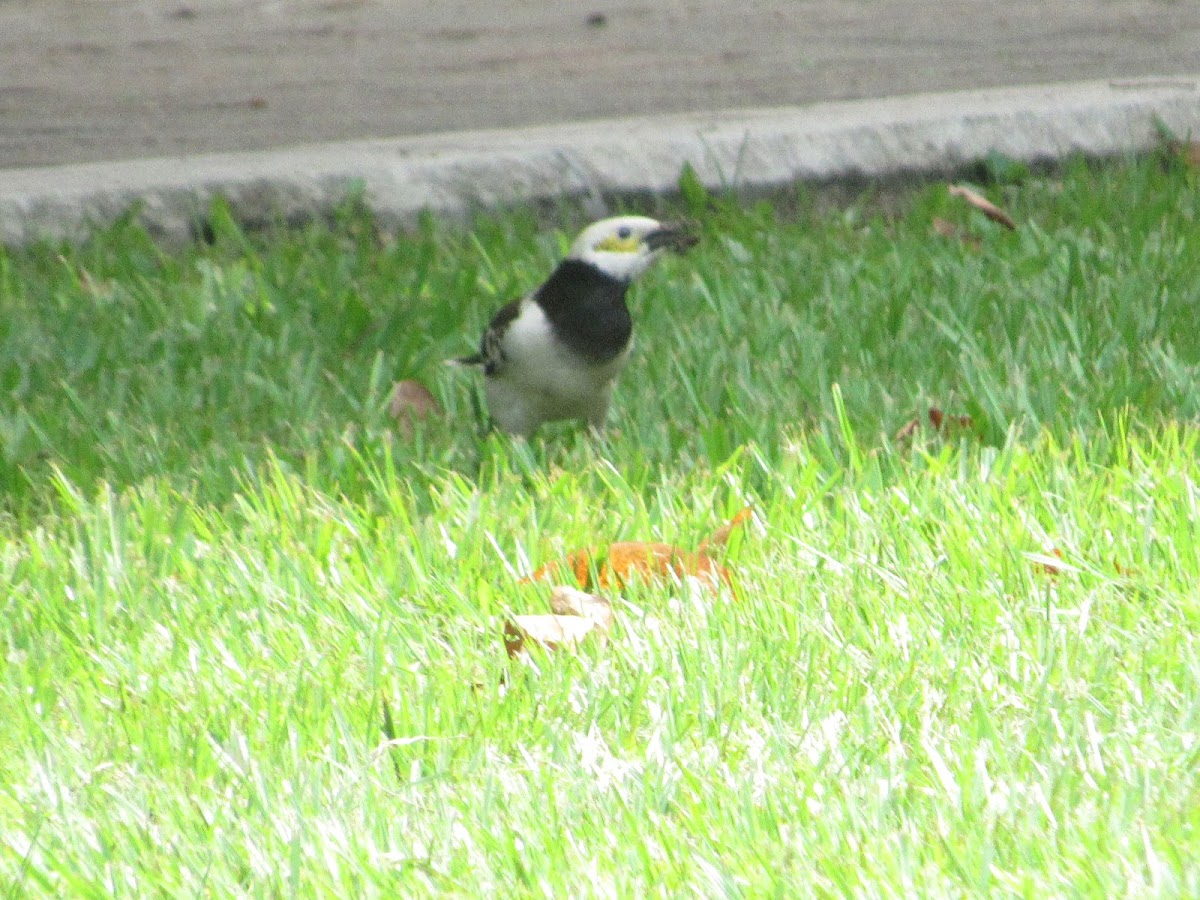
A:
(217, 561)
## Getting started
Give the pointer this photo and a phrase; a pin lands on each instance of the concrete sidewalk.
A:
(284, 105)
(452, 174)
(99, 80)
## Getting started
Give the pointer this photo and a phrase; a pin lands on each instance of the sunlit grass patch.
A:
(960, 663)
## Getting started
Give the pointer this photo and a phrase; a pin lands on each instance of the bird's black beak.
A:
(670, 236)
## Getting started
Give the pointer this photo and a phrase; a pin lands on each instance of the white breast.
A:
(541, 381)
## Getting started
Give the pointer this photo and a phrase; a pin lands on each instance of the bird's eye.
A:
(623, 232)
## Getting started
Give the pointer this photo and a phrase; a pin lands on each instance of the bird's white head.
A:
(626, 246)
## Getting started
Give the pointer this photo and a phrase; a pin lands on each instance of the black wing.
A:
(491, 351)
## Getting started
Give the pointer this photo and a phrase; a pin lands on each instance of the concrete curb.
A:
(451, 174)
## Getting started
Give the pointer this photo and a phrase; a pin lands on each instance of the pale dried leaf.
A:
(550, 632)
(983, 204)
(569, 601)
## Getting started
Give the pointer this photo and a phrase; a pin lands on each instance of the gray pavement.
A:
(283, 105)
(93, 80)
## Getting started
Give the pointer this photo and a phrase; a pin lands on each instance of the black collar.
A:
(586, 309)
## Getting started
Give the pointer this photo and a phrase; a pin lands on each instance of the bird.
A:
(555, 354)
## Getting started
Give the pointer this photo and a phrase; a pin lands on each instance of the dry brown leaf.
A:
(938, 419)
(412, 401)
(720, 537)
(93, 287)
(944, 228)
(1187, 151)
(87, 282)
(953, 232)
(1049, 563)
(983, 204)
(907, 430)
(550, 632)
(1125, 571)
(618, 563)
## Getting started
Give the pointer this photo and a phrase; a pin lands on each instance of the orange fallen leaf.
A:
(617, 564)
(1125, 571)
(410, 402)
(626, 559)
(983, 204)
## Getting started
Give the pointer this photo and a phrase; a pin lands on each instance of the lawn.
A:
(253, 629)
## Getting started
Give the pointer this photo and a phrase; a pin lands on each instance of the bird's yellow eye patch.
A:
(615, 244)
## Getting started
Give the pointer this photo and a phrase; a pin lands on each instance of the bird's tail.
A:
(475, 359)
